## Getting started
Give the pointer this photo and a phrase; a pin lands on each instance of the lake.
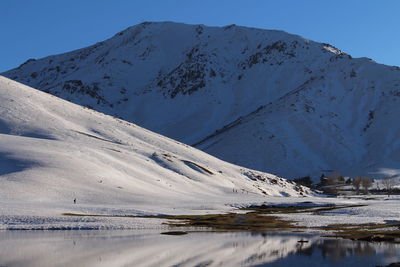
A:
(150, 248)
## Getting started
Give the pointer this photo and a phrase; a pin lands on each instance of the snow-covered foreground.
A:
(53, 152)
(377, 209)
(46, 216)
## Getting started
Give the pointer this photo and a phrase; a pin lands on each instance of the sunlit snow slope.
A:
(263, 99)
(53, 151)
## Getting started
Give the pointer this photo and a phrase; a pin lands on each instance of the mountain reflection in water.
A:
(150, 248)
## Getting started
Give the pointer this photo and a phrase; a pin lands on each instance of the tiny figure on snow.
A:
(74, 200)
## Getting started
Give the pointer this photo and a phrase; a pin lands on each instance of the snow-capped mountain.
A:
(53, 151)
(263, 99)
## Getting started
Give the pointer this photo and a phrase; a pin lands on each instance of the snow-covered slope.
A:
(263, 99)
(53, 151)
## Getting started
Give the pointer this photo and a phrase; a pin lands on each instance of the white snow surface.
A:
(53, 151)
(377, 210)
(264, 99)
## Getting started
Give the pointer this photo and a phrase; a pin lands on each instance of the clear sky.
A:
(38, 28)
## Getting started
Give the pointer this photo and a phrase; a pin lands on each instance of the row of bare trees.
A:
(364, 182)
(333, 182)
(388, 183)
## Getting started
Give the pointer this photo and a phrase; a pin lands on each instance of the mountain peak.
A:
(263, 99)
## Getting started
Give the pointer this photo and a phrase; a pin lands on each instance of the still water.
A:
(150, 248)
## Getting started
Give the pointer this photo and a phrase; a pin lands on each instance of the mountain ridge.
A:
(201, 85)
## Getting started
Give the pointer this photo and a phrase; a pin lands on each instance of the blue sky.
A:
(37, 28)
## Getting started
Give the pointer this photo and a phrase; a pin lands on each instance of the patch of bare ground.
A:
(263, 219)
